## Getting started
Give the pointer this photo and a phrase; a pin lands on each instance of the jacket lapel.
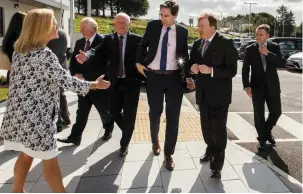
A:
(211, 45)
(178, 36)
(95, 41)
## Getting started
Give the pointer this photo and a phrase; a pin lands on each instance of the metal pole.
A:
(283, 28)
(89, 8)
(61, 15)
(71, 19)
(249, 19)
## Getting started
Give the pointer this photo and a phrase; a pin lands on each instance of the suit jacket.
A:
(259, 78)
(59, 46)
(151, 39)
(90, 70)
(222, 56)
(109, 50)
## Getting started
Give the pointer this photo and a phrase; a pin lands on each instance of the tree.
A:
(81, 5)
(133, 8)
(299, 30)
(286, 22)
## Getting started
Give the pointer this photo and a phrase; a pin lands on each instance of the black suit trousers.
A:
(98, 98)
(169, 86)
(123, 106)
(273, 101)
(213, 122)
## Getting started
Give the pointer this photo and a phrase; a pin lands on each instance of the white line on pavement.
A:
(277, 140)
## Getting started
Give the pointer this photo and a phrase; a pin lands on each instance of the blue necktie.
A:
(164, 51)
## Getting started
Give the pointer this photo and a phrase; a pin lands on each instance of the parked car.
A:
(288, 45)
(294, 61)
(243, 47)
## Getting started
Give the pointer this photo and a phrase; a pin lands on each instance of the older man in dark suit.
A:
(214, 59)
(119, 49)
(98, 98)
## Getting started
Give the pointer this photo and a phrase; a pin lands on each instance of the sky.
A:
(189, 8)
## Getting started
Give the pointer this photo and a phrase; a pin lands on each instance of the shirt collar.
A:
(124, 35)
(92, 38)
(265, 44)
(211, 38)
(172, 27)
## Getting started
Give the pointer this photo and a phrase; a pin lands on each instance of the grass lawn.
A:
(3, 94)
(137, 26)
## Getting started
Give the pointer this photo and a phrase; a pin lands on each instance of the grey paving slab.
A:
(74, 155)
(34, 174)
(8, 188)
(182, 159)
(103, 164)
(236, 156)
(140, 174)
(143, 190)
(101, 184)
(228, 172)
(232, 186)
(182, 181)
(259, 178)
(7, 158)
(71, 177)
(196, 148)
(109, 146)
(140, 152)
(179, 146)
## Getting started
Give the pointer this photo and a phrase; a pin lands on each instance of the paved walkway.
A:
(95, 166)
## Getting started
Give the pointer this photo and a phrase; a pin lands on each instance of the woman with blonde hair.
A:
(29, 123)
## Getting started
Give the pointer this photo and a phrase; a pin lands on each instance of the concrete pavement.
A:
(95, 166)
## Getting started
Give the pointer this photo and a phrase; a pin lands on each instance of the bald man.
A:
(91, 39)
(120, 49)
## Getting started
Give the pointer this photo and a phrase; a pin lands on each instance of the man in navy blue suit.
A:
(167, 53)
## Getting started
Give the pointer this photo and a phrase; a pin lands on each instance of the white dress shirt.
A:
(171, 50)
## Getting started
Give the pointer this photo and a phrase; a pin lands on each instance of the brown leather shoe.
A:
(156, 149)
(169, 163)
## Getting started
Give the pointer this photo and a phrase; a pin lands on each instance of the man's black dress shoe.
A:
(107, 136)
(69, 139)
(123, 151)
(271, 140)
(205, 158)
(215, 174)
(261, 146)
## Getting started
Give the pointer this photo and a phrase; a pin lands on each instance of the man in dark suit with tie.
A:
(263, 58)
(59, 46)
(214, 59)
(91, 72)
(119, 49)
(167, 54)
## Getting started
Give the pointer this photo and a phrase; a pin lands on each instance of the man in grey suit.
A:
(59, 46)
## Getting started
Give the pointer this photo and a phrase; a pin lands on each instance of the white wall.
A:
(9, 11)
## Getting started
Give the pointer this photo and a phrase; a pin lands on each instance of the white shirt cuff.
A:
(212, 72)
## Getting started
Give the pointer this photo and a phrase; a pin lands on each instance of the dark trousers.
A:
(213, 122)
(157, 87)
(98, 98)
(124, 103)
(63, 111)
(259, 97)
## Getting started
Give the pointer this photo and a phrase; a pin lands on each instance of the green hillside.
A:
(137, 26)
